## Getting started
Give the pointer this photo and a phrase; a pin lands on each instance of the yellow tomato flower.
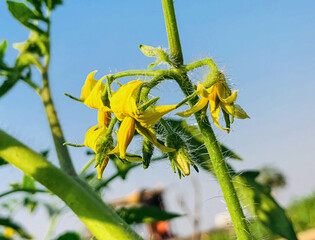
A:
(92, 140)
(124, 106)
(218, 95)
(91, 95)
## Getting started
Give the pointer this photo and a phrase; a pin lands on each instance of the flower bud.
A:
(180, 158)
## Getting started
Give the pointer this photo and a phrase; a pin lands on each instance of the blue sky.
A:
(266, 48)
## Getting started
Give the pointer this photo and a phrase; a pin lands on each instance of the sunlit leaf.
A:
(145, 214)
(262, 206)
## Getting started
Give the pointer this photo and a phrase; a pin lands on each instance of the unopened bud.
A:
(179, 158)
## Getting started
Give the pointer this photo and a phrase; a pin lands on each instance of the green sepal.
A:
(227, 121)
(147, 152)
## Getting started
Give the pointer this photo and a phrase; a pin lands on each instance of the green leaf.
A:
(259, 203)
(28, 182)
(159, 53)
(147, 152)
(69, 236)
(7, 222)
(145, 214)
(24, 15)
(9, 82)
(37, 5)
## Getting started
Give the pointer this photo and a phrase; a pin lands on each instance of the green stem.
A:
(99, 218)
(52, 226)
(57, 134)
(29, 190)
(204, 62)
(172, 32)
(148, 103)
(152, 73)
(215, 153)
(86, 166)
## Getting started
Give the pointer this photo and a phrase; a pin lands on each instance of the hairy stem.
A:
(222, 173)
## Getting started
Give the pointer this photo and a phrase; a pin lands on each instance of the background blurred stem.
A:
(99, 218)
(215, 153)
(55, 128)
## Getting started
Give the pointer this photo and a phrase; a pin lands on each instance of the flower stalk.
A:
(215, 153)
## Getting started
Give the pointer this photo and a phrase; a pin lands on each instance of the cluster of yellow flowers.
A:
(123, 104)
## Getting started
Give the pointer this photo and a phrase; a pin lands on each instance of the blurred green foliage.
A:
(302, 212)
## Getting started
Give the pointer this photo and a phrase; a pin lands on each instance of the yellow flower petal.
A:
(151, 135)
(202, 91)
(94, 99)
(101, 167)
(88, 85)
(92, 136)
(199, 105)
(123, 102)
(125, 135)
(150, 117)
(215, 114)
(223, 94)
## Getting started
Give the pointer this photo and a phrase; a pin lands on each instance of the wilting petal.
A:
(123, 102)
(239, 112)
(151, 116)
(151, 135)
(104, 116)
(199, 105)
(215, 113)
(125, 135)
(92, 136)
(101, 167)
